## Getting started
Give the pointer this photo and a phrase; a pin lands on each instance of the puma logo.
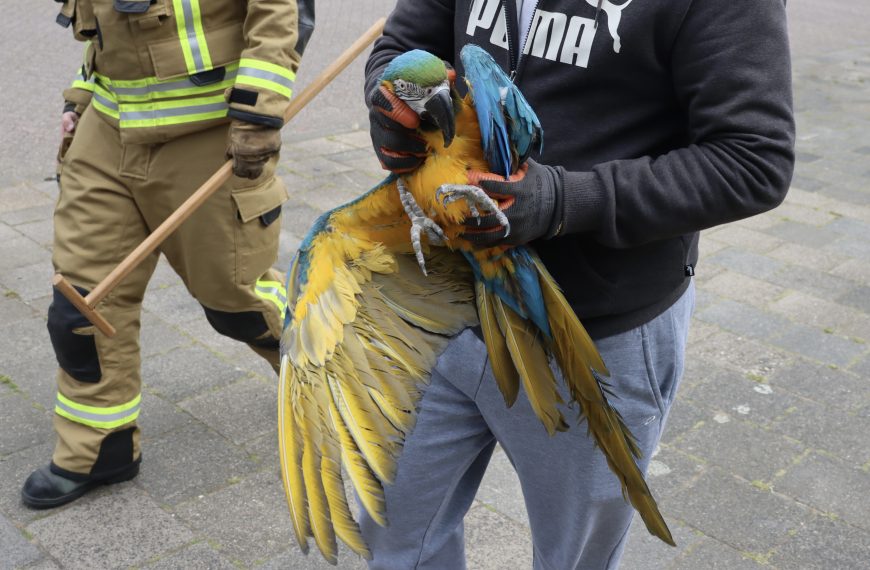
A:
(552, 35)
(614, 16)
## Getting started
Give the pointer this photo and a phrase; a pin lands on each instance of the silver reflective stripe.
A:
(88, 416)
(108, 103)
(177, 112)
(190, 28)
(268, 75)
(161, 87)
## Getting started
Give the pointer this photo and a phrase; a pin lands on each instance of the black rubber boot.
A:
(45, 489)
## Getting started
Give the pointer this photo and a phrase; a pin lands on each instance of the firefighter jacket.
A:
(159, 69)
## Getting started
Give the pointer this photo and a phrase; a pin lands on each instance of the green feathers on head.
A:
(418, 67)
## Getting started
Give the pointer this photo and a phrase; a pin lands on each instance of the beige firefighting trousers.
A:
(112, 196)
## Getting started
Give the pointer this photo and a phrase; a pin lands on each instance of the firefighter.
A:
(167, 91)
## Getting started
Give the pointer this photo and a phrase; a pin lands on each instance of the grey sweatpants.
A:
(576, 511)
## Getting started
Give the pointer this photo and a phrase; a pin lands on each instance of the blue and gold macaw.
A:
(364, 324)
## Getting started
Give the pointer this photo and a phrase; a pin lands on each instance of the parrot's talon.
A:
(419, 223)
(476, 199)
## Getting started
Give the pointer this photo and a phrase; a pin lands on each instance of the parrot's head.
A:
(421, 80)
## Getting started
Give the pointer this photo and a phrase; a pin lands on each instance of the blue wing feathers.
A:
(509, 128)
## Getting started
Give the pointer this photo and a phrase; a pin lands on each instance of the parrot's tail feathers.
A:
(582, 367)
(503, 368)
(642, 500)
(525, 345)
(290, 451)
(564, 320)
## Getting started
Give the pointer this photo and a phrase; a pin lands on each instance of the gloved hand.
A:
(532, 200)
(393, 127)
(251, 146)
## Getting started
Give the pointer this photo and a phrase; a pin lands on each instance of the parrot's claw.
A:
(477, 201)
(419, 223)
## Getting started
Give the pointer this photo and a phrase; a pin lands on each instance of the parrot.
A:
(379, 286)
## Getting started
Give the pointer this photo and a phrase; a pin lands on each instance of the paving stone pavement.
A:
(765, 462)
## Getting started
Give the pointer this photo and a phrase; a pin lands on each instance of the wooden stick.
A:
(60, 283)
(159, 235)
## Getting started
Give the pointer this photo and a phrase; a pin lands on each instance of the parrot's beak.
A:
(439, 110)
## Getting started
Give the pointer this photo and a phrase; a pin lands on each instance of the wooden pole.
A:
(152, 242)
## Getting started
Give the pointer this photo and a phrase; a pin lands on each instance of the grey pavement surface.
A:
(765, 462)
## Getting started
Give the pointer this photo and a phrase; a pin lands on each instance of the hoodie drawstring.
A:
(597, 12)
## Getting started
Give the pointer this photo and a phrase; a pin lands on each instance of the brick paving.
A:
(765, 462)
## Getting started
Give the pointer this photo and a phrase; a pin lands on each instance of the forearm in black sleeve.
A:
(732, 76)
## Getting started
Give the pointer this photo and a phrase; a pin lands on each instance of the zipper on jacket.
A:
(513, 19)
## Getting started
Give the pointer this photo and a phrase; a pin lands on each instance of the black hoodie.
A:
(675, 115)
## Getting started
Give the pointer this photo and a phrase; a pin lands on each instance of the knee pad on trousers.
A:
(76, 353)
(247, 326)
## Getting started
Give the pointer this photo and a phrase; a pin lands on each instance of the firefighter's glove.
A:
(531, 200)
(393, 127)
(251, 146)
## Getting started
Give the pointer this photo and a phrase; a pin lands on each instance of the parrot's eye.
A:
(400, 84)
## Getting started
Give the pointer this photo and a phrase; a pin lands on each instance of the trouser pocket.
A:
(258, 228)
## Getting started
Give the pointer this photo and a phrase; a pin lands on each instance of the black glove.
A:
(531, 200)
(251, 146)
(393, 127)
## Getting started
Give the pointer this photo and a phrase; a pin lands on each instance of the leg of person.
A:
(224, 252)
(439, 471)
(96, 224)
(577, 513)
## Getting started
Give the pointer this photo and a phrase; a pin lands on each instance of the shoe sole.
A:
(37, 503)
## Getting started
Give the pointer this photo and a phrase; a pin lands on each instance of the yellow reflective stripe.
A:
(200, 34)
(268, 66)
(188, 19)
(177, 120)
(264, 84)
(95, 423)
(99, 410)
(100, 106)
(181, 24)
(151, 88)
(274, 298)
(175, 104)
(184, 92)
(86, 85)
(107, 418)
(148, 81)
(158, 113)
(272, 291)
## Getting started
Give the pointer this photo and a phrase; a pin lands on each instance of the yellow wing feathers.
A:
(365, 331)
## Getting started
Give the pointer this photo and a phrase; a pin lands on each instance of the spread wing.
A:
(362, 331)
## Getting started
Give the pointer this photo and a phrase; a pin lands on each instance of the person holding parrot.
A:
(679, 120)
